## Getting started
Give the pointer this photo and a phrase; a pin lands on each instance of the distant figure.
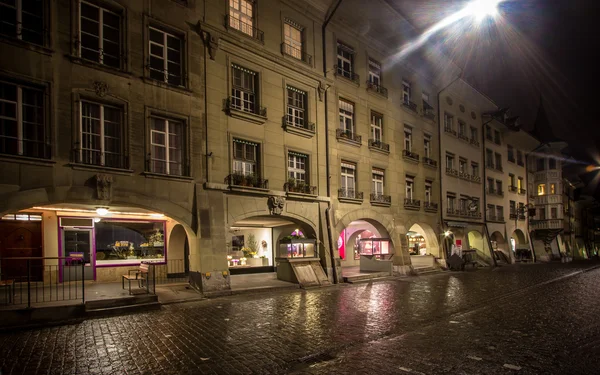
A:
(416, 250)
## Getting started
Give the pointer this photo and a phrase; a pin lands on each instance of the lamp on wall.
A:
(102, 211)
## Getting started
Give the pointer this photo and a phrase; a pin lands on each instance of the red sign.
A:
(458, 242)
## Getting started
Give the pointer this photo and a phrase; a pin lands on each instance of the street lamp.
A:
(480, 9)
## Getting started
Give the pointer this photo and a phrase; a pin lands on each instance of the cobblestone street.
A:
(528, 319)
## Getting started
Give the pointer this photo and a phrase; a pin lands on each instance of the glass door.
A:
(77, 248)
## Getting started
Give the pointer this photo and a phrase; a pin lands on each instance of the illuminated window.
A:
(552, 188)
(542, 189)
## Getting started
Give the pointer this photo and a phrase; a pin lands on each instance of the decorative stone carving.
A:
(212, 42)
(276, 205)
(462, 108)
(449, 100)
(101, 88)
(321, 90)
(103, 186)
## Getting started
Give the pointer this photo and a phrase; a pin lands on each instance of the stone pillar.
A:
(401, 260)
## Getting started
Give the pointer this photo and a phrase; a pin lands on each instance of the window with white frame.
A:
(348, 183)
(346, 116)
(22, 121)
(374, 72)
(293, 39)
(427, 145)
(448, 122)
(100, 34)
(520, 183)
(376, 126)
(463, 166)
(491, 210)
(345, 60)
(166, 56)
(428, 191)
(296, 107)
(499, 212)
(167, 140)
(297, 167)
(462, 128)
(101, 135)
(451, 202)
(245, 157)
(377, 181)
(463, 204)
(406, 92)
(410, 187)
(241, 16)
(449, 161)
(23, 19)
(425, 97)
(243, 89)
(408, 138)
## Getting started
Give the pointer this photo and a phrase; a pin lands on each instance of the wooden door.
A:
(21, 239)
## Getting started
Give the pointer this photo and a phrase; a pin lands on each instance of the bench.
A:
(8, 286)
(140, 275)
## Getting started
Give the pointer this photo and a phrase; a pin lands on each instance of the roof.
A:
(542, 130)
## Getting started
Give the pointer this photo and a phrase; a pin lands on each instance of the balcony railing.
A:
(410, 105)
(452, 212)
(512, 216)
(99, 158)
(474, 142)
(246, 180)
(239, 105)
(512, 189)
(377, 88)
(244, 28)
(547, 224)
(522, 191)
(412, 203)
(297, 53)
(495, 217)
(429, 206)
(349, 135)
(475, 178)
(379, 145)
(339, 72)
(499, 168)
(464, 176)
(429, 114)
(299, 187)
(449, 130)
(350, 194)
(430, 162)
(410, 155)
(381, 199)
(464, 137)
(452, 172)
(29, 148)
(295, 123)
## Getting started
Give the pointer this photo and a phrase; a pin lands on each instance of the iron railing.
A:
(166, 168)
(237, 104)
(522, 191)
(410, 105)
(450, 130)
(377, 88)
(452, 172)
(99, 158)
(464, 137)
(246, 180)
(374, 143)
(430, 162)
(174, 271)
(301, 188)
(474, 142)
(347, 134)
(430, 206)
(288, 49)
(340, 72)
(28, 148)
(350, 193)
(410, 155)
(429, 114)
(244, 28)
(512, 189)
(381, 198)
(296, 123)
(412, 203)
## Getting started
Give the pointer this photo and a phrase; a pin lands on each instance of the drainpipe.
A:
(327, 166)
(484, 211)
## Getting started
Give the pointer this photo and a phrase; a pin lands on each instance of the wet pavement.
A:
(527, 319)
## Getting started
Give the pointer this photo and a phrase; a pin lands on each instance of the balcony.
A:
(452, 212)
(381, 200)
(464, 137)
(430, 162)
(410, 156)
(302, 128)
(474, 214)
(412, 204)
(430, 207)
(512, 189)
(451, 172)
(351, 76)
(244, 28)
(380, 146)
(249, 111)
(464, 176)
(378, 89)
(429, 114)
(547, 224)
(350, 196)
(476, 179)
(449, 130)
(522, 191)
(410, 105)
(299, 187)
(296, 53)
(474, 142)
(348, 136)
(246, 180)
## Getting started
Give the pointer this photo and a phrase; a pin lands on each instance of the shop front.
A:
(461, 237)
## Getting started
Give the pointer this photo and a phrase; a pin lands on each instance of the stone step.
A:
(427, 270)
(120, 302)
(365, 277)
(120, 310)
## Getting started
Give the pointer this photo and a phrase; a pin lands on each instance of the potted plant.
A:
(265, 260)
(291, 184)
(301, 187)
(252, 180)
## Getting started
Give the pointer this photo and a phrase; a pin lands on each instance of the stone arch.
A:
(475, 240)
(285, 215)
(178, 250)
(519, 237)
(431, 238)
(381, 223)
(498, 237)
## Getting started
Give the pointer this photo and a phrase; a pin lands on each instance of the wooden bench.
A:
(140, 275)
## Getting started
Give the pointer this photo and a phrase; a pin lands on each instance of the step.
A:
(120, 302)
(365, 277)
(120, 310)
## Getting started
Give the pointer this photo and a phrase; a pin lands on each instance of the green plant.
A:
(252, 244)
(291, 182)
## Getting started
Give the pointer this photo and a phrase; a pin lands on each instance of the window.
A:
(376, 126)
(296, 107)
(462, 128)
(245, 157)
(499, 212)
(488, 133)
(490, 184)
(167, 146)
(491, 210)
(462, 166)
(427, 145)
(241, 16)
(293, 39)
(551, 163)
(449, 161)
(554, 213)
(244, 89)
(497, 137)
(511, 153)
(474, 135)
(345, 60)
(520, 183)
(541, 164)
(410, 187)
(100, 33)
(542, 189)
(348, 180)
(451, 202)
(297, 164)
(498, 162)
(489, 158)
(513, 207)
(377, 181)
(511, 180)
(166, 57)
(374, 72)
(463, 204)
(552, 188)
(428, 191)
(101, 135)
(542, 213)
(519, 157)
(499, 187)
(346, 116)
(137, 239)
(22, 19)
(448, 122)
(475, 169)
(408, 138)
(22, 121)
(406, 92)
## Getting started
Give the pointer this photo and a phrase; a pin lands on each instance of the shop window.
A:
(245, 158)
(374, 246)
(542, 189)
(376, 126)
(293, 39)
(244, 93)
(100, 34)
(22, 217)
(345, 61)
(346, 117)
(241, 16)
(101, 131)
(297, 168)
(165, 56)
(23, 20)
(297, 248)
(296, 107)
(167, 140)
(22, 121)
(127, 242)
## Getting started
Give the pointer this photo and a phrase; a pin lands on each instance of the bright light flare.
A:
(480, 9)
